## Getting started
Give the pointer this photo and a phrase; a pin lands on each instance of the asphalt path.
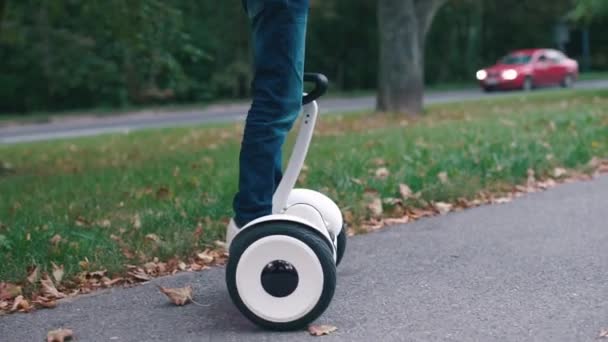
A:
(534, 269)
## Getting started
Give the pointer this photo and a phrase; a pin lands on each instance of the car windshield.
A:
(516, 59)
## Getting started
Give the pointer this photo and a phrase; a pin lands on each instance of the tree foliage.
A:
(73, 54)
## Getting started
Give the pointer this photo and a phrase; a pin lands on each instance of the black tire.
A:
(341, 247)
(313, 239)
(568, 81)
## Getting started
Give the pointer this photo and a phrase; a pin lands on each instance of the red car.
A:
(528, 69)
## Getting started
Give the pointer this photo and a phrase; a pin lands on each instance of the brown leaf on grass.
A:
(139, 274)
(379, 161)
(603, 333)
(443, 207)
(153, 237)
(56, 239)
(21, 304)
(81, 221)
(320, 330)
(136, 221)
(382, 173)
(559, 172)
(531, 179)
(443, 177)
(163, 192)
(375, 206)
(48, 288)
(57, 272)
(59, 335)
(178, 296)
(205, 256)
(405, 191)
(9, 291)
(107, 282)
(220, 244)
(33, 276)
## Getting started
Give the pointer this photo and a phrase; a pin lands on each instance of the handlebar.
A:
(320, 82)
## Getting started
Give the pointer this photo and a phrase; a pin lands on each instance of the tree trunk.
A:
(403, 25)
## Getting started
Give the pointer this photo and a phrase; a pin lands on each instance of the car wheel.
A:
(528, 84)
(568, 81)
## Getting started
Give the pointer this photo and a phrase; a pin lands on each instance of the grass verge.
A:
(108, 201)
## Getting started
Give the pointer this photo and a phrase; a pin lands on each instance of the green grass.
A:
(89, 191)
(593, 75)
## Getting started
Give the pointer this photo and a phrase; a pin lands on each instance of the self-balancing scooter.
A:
(281, 271)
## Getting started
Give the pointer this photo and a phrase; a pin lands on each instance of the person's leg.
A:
(279, 31)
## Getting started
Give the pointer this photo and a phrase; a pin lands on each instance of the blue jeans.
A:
(279, 34)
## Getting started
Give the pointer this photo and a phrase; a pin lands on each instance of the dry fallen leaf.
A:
(21, 304)
(57, 272)
(375, 206)
(45, 303)
(55, 240)
(382, 173)
(320, 330)
(3, 305)
(33, 276)
(603, 333)
(153, 237)
(205, 256)
(140, 274)
(59, 335)
(405, 191)
(9, 291)
(400, 220)
(49, 289)
(136, 221)
(443, 177)
(559, 172)
(178, 296)
(443, 207)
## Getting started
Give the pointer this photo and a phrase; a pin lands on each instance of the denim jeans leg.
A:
(279, 34)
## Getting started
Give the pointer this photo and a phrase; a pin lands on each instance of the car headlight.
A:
(481, 75)
(509, 74)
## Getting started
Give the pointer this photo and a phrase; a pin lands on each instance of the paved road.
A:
(531, 270)
(225, 113)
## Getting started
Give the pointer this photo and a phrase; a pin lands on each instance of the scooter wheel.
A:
(341, 246)
(281, 275)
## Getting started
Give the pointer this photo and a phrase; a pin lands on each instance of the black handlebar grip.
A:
(321, 84)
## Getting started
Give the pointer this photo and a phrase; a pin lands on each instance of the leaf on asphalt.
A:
(59, 335)
(9, 291)
(178, 296)
(49, 289)
(603, 333)
(56, 239)
(559, 172)
(382, 173)
(320, 330)
(405, 191)
(3, 305)
(443, 207)
(502, 200)
(57, 272)
(443, 177)
(107, 282)
(33, 276)
(399, 220)
(45, 302)
(182, 266)
(21, 304)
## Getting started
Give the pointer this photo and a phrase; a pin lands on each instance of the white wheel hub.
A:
(310, 278)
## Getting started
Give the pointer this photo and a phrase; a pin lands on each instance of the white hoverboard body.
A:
(281, 272)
